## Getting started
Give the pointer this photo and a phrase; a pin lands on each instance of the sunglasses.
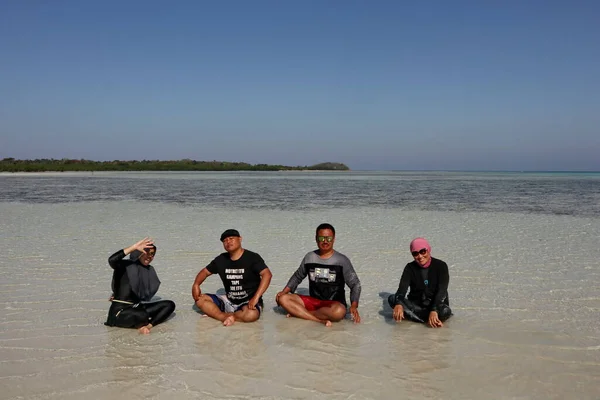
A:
(150, 254)
(421, 252)
(327, 239)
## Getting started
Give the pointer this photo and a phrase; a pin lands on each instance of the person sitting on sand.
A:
(134, 283)
(328, 272)
(245, 277)
(427, 278)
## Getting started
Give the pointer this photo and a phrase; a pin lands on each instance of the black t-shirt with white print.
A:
(241, 277)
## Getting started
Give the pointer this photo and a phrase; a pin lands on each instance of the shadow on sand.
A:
(386, 311)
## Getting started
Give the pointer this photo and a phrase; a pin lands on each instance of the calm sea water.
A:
(576, 194)
(522, 251)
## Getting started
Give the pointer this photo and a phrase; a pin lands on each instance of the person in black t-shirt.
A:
(245, 276)
(427, 278)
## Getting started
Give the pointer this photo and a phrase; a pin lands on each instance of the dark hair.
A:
(325, 226)
(151, 247)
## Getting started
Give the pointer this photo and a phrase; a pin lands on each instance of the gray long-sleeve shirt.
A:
(327, 277)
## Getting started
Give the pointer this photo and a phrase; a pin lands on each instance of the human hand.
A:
(355, 315)
(398, 313)
(278, 295)
(252, 303)
(434, 321)
(143, 244)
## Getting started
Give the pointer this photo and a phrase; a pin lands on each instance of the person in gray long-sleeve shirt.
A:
(328, 272)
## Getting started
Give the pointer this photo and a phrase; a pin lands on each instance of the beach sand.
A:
(525, 291)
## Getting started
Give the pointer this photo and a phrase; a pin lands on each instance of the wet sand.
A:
(525, 290)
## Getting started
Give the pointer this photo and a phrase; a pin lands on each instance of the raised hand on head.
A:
(143, 244)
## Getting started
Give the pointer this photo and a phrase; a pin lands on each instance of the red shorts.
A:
(313, 304)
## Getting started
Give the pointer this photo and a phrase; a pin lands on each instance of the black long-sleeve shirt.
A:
(120, 282)
(428, 286)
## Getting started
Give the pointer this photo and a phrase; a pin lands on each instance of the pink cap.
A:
(420, 243)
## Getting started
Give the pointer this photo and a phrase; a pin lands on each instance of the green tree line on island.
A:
(63, 165)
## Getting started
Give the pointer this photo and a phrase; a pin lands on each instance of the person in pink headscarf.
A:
(427, 278)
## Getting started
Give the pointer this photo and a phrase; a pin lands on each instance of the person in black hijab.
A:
(134, 283)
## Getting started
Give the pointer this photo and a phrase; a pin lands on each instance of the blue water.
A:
(576, 194)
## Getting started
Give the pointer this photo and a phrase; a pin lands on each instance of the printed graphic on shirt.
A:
(235, 278)
(322, 275)
(241, 277)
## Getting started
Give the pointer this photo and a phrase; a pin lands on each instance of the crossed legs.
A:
(293, 304)
(206, 304)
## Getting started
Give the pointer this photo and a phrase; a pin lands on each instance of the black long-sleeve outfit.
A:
(127, 309)
(428, 291)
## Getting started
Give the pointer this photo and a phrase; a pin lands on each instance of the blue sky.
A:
(419, 85)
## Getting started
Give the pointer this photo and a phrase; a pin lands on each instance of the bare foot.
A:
(229, 321)
(288, 316)
(327, 323)
(144, 330)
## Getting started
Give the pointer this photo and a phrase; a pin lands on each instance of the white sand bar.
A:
(525, 290)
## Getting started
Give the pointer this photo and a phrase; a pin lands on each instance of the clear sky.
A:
(467, 85)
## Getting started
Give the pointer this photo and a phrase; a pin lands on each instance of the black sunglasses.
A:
(421, 252)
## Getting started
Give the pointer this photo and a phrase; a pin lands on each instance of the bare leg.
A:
(242, 315)
(293, 304)
(335, 312)
(208, 307)
(246, 315)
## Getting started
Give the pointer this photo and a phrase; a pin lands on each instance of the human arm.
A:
(294, 281)
(354, 312)
(202, 275)
(440, 296)
(355, 288)
(265, 280)
(403, 286)
(285, 290)
(115, 260)
(442, 287)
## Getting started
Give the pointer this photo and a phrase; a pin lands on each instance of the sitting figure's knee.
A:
(251, 315)
(202, 300)
(284, 300)
(171, 306)
(444, 313)
(338, 311)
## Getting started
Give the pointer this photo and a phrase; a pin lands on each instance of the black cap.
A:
(229, 233)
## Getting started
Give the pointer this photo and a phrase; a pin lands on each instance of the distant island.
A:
(63, 165)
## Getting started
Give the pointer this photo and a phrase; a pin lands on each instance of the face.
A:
(325, 239)
(422, 256)
(232, 243)
(146, 259)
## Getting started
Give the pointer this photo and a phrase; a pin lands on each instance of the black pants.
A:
(138, 315)
(416, 313)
